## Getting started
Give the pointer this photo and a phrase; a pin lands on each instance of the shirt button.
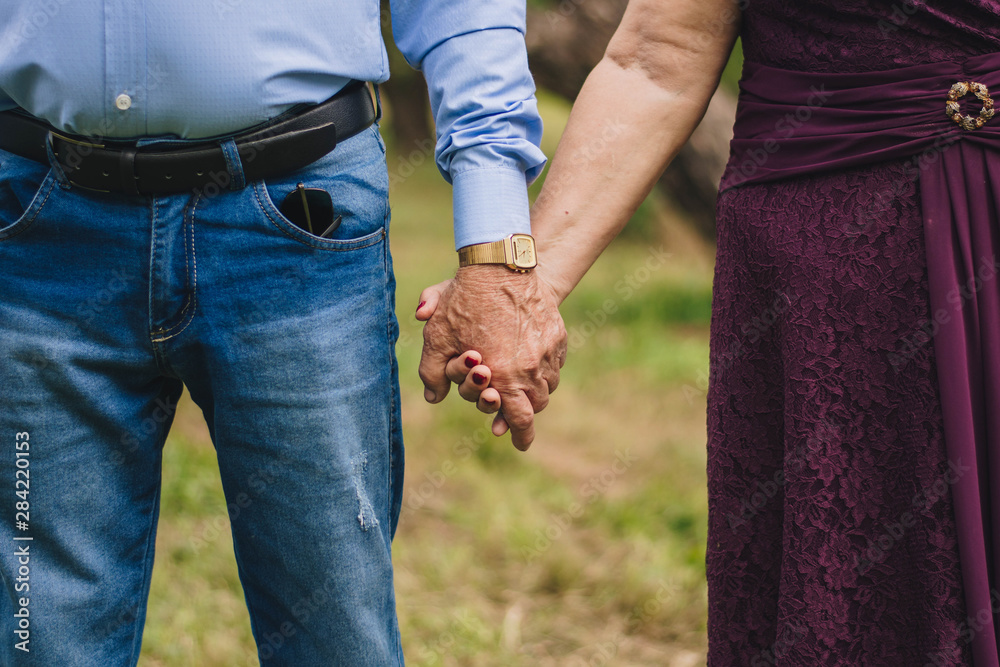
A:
(123, 102)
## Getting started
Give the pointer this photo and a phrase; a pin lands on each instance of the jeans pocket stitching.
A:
(32, 212)
(334, 245)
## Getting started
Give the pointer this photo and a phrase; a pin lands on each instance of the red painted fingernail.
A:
(478, 378)
(471, 363)
(421, 305)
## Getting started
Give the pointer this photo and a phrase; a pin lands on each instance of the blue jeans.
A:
(109, 304)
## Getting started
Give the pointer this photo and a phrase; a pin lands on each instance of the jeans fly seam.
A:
(192, 301)
(152, 265)
(155, 331)
(187, 302)
(157, 353)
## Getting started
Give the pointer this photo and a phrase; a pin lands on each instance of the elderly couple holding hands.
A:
(852, 437)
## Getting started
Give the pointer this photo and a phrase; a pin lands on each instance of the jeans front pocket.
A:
(354, 175)
(25, 186)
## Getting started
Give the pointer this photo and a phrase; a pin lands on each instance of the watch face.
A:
(524, 251)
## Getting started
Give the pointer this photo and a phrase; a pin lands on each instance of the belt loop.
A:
(126, 171)
(234, 165)
(57, 167)
(378, 104)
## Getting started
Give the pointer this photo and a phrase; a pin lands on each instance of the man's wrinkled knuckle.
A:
(551, 365)
(433, 336)
(539, 398)
(519, 420)
(532, 368)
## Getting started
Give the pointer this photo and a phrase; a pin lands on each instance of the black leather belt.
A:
(287, 143)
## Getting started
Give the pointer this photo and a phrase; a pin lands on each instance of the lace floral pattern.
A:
(867, 35)
(831, 530)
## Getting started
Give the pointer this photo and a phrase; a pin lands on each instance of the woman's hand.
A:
(467, 371)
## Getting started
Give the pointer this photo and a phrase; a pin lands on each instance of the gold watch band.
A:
(482, 253)
(516, 252)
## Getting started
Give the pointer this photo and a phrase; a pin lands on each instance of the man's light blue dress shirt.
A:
(203, 68)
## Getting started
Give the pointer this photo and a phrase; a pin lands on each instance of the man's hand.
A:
(513, 321)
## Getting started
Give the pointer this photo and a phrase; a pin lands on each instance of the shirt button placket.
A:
(125, 51)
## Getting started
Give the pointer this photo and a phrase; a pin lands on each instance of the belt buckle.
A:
(81, 149)
(954, 110)
(76, 142)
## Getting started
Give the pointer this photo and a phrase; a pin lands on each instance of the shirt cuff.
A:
(489, 204)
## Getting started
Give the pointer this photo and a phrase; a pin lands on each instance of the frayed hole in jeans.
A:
(366, 513)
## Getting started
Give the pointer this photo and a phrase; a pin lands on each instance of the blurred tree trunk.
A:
(565, 41)
(405, 94)
(692, 179)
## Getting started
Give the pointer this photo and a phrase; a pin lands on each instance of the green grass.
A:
(589, 549)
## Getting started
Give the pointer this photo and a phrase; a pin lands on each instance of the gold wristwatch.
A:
(516, 252)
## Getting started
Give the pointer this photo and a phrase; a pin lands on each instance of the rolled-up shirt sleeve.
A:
(483, 99)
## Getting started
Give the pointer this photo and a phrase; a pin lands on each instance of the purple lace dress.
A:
(832, 537)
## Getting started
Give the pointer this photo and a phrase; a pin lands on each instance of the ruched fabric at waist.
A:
(791, 123)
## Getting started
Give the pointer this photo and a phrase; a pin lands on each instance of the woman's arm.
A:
(636, 110)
